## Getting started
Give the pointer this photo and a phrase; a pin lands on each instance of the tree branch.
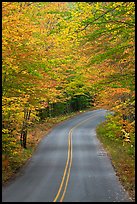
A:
(99, 17)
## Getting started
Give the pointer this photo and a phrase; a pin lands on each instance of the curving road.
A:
(69, 165)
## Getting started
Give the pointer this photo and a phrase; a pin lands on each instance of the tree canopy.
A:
(63, 52)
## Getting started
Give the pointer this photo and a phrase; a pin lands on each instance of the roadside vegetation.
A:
(117, 134)
(59, 58)
(118, 141)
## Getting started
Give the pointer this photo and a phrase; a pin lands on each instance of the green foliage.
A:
(115, 129)
(76, 103)
(112, 128)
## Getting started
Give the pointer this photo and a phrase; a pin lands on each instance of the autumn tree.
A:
(26, 77)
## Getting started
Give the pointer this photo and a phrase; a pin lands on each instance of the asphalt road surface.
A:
(69, 165)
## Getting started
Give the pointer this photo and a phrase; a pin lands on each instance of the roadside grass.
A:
(122, 156)
(12, 164)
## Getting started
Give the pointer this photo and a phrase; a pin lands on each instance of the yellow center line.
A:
(66, 174)
(70, 164)
(65, 171)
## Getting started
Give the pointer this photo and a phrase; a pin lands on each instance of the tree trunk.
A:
(23, 137)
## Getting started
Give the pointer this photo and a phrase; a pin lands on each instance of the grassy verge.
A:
(122, 158)
(14, 162)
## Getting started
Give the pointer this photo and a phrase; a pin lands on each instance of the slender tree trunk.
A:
(23, 137)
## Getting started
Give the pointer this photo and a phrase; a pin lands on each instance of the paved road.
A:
(69, 165)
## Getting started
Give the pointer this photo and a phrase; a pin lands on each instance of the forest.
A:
(64, 57)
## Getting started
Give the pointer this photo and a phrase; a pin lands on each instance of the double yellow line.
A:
(64, 183)
(66, 174)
